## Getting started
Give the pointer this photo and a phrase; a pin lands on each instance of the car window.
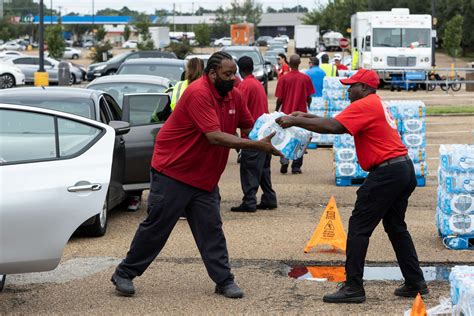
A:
(47, 63)
(172, 72)
(148, 109)
(23, 61)
(74, 136)
(105, 114)
(118, 89)
(113, 107)
(252, 54)
(133, 56)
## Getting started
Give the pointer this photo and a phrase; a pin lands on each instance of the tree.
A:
(126, 33)
(54, 38)
(453, 35)
(203, 34)
(142, 24)
(100, 50)
(5, 34)
(468, 26)
(100, 33)
(180, 49)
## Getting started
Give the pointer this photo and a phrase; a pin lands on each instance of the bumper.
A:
(92, 75)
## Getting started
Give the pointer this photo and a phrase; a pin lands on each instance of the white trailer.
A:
(160, 36)
(306, 39)
(391, 41)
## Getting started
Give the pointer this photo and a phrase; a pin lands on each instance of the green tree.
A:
(100, 33)
(142, 24)
(100, 50)
(54, 38)
(180, 49)
(5, 33)
(126, 33)
(453, 35)
(468, 26)
(203, 34)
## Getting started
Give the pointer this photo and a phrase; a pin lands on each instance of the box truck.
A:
(392, 41)
(160, 36)
(242, 34)
(307, 39)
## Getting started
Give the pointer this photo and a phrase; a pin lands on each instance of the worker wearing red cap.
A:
(384, 194)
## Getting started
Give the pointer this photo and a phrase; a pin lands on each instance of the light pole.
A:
(41, 37)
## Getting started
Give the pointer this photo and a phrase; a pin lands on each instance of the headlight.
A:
(259, 73)
(376, 59)
(100, 67)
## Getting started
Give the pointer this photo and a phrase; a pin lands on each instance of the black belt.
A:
(391, 161)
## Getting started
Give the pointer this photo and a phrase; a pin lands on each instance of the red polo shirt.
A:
(293, 89)
(182, 151)
(254, 96)
(374, 129)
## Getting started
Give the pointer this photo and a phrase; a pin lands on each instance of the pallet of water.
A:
(291, 141)
(461, 280)
(455, 201)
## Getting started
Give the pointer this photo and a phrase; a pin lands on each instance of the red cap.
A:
(368, 77)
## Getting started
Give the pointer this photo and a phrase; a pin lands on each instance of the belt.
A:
(392, 161)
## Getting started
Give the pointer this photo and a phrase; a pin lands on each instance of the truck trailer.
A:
(307, 39)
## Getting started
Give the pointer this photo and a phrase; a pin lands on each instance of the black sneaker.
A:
(411, 290)
(284, 169)
(230, 291)
(123, 286)
(243, 208)
(263, 206)
(296, 171)
(346, 294)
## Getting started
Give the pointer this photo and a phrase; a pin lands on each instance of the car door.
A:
(27, 66)
(146, 113)
(52, 70)
(54, 175)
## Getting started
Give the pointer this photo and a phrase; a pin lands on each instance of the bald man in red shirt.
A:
(293, 92)
(384, 194)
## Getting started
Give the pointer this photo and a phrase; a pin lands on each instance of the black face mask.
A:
(223, 86)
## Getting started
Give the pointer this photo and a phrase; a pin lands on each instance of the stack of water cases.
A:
(334, 100)
(348, 171)
(461, 280)
(455, 210)
(410, 116)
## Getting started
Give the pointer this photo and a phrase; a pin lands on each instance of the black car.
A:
(146, 114)
(110, 67)
(259, 63)
(262, 40)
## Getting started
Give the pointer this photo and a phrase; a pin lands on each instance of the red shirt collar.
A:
(249, 77)
(216, 94)
(294, 70)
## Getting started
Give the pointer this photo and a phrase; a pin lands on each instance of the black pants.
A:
(255, 172)
(295, 165)
(383, 197)
(166, 202)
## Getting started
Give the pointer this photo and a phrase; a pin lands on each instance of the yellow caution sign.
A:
(329, 231)
(418, 308)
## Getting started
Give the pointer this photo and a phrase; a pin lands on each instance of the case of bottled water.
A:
(420, 169)
(457, 157)
(417, 154)
(291, 141)
(319, 103)
(461, 281)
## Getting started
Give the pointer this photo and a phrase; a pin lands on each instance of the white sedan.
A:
(224, 41)
(130, 44)
(10, 76)
(12, 46)
(56, 170)
(71, 53)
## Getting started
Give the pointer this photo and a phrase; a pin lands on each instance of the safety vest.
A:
(355, 59)
(178, 90)
(329, 69)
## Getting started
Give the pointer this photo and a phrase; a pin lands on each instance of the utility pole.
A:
(433, 38)
(41, 37)
(174, 14)
(93, 22)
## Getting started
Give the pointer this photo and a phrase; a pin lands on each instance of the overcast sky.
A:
(149, 6)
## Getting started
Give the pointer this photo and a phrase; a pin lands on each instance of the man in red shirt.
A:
(254, 165)
(190, 154)
(293, 92)
(338, 64)
(384, 194)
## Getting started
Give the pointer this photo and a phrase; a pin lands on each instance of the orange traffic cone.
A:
(418, 308)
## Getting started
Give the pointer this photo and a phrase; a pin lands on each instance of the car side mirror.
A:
(267, 62)
(120, 127)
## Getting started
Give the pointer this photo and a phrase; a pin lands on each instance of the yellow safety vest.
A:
(355, 58)
(329, 69)
(178, 90)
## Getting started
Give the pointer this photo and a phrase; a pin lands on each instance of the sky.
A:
(149, 6)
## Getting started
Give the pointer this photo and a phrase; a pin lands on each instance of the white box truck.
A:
(388, 41)
(306, 39)
(160, 36)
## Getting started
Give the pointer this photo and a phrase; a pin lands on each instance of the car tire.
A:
(7, 81)
(72, 79)
(99, 227)
(75, 56)
(3, 278)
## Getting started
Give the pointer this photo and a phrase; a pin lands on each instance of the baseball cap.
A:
(337, 57)
(368, 77)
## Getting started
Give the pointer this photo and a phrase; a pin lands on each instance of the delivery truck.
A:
(160, 36)
(242, 34)
(392, 41)
(307, 39)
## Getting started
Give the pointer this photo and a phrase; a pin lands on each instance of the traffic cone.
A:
(418, 308)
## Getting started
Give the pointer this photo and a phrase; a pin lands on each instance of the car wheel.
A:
(99, 227)
(75, 56)
(3, 278)
(7, 81)
(72, 79)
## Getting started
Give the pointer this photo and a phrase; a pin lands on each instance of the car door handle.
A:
(85, 187)
(122, 141)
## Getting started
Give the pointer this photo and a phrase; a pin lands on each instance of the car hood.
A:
(92, 66)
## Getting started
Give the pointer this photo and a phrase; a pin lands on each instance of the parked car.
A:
(111, 66)
(10, 76)
(262, 40)
(72, 53)
(7, 53)
(130, 44)
(119, 85)
(204, 57)
(58, 167)
(82, 69)
(87, 44)
(272, 57)
(172, 69)
(285, 38)
(12, 46)
(224, 41)
(270, 69)
(282, 41)
(30, 64)
(132, 152)
(259, 70)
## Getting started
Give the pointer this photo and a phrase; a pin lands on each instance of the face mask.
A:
(223, 86)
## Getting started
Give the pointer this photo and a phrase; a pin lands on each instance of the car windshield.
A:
(172, 72)
(401, 37)
(252, 54)
(79, 106)
(118, 89)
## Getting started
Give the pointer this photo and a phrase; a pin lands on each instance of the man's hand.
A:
(298, 114)
(286, 121)
(266, 145)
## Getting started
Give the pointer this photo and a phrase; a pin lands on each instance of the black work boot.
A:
(346, 294)
(123, 286)
(231, 290)
(284, 169)
(265, 206)
(412, 289)
(243, 208)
